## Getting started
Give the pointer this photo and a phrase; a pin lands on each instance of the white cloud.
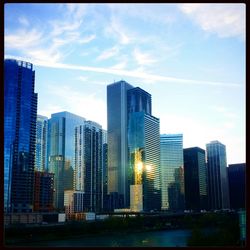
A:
(143, 58)
(124, 73)
(122, 64)
(24, 21)
(23, 39)
(106, 54)
(146, 12)
(226, 20)
(87, 39)
(117, 30)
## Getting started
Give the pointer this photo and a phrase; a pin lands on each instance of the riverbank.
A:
(112, 226)
(223, 229)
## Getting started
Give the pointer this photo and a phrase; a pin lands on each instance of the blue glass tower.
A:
(61, 152)
(41, 143)
(172, 172)
(20, 110)
(117, 117)
(218, 190)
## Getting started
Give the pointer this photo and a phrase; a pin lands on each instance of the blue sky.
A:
(189, 57)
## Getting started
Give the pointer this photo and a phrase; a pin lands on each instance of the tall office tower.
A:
(88, 163)
(43, 191)
(237, 185)
(61, 152)
(143, 153)
(172, 172)
(144, 159)
(218, 192)
(41, 143)
(20, 110)
(195, 173)
(117, 143)
(105, 201)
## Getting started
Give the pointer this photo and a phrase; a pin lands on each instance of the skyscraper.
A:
(172, 172)
(105, 201)
(217, 175)
(117, 143)
(144, 162)
(195, 173)
(43, 191)
(237, 185)
(61, 152)
(88, 164)
(41, 143)
(20, 110)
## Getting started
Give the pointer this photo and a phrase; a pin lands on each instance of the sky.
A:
(190, 57)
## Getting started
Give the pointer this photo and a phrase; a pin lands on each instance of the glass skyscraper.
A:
(41, 143)
(88, 164)
(195, 172)
(237, 185)
(128, 106)
(61, 152)
(217, 175)
(144, 162)
(172, 172)
(20, 111)
(117, 143)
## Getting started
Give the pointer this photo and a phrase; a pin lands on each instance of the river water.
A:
(168, 238)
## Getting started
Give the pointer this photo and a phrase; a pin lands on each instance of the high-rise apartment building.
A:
(172, 172)
(41, 143)
(217, 175)
(61, 152)
(237, 185)
(117, 116)
(20, 111)
(89, 164)
(195, 173)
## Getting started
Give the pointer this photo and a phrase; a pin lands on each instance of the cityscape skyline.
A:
(203, 97)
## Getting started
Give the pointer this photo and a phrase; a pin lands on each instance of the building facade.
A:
(195, 173)
(20, 111)
(61, 152)
(43, 192)
(89, 164)
(218, 191)
(144, 162)
(172, 172)
(117, 116)
(74, 202)
(237, 185)
(41, 143)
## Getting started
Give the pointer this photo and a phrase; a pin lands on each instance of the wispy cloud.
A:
(134, 73)
(226, 20)
(23, 39)
(23, 20)
(116, 29)
(87, 39)
(143, 58)
(48, 43)
(106, 54)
